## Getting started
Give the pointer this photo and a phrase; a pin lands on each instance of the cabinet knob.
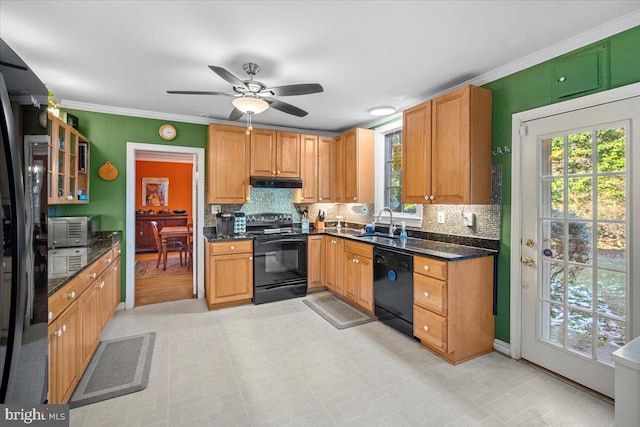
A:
(319, 198)
(357, 260)
(109, 261)
(250, 258)
(141, 233)
(561, 79)
(426, 197)
(273, 172)
(50, 315)
(355, 198)
(119, 251)
(72, 295)
(426, 328)
(278, 172)
(426, 294)
(59, 332)
(64, 328)
(431, 197)
(426, 268)
(102, 284)
(232, 247)
(94, 275)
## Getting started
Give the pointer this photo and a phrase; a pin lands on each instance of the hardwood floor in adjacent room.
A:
(154, 285)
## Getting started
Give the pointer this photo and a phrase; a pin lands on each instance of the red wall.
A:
(180, 184)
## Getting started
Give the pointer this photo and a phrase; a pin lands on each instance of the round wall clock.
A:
(167, 132)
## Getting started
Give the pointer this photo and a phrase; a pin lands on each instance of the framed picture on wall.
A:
(155, 191)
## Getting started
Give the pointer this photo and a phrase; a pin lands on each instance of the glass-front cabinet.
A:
(68, 164)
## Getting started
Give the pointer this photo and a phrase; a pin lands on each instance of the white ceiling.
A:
(100, 54)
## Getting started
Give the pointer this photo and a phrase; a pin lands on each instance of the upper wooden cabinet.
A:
(275, 153)
(354, 167)
(451, 163)
(68, 169)
(228, 164)
(324, 169)
(308, 170)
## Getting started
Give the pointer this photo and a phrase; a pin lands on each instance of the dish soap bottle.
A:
(403, 232)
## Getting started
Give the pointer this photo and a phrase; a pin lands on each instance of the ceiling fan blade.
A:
(286, 108)
(235, 115)
(301, 89)
(198, 92)
(228, 76)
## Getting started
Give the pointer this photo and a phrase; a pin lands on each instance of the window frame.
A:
(411, 220)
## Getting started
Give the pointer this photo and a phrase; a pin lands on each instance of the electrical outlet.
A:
(440, 217)
(215, 209)
(469, 219)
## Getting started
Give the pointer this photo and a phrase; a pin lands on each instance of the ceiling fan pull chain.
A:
(249, 127)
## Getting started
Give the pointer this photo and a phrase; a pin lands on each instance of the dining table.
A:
(175, 232)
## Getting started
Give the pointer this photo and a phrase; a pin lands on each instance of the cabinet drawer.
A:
(430, 267)
(430, 327)
(430, 293)
(92, 272)
(358, 248)
(59, 301)
(230, 247)
(117, 250)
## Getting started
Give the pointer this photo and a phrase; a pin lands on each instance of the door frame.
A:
(515, 333)
(197, 208)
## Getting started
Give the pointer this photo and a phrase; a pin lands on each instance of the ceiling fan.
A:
(253, 97)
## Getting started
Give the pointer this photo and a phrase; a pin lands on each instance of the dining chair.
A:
(173, 245)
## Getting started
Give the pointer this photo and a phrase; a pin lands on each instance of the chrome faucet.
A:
(392, 226)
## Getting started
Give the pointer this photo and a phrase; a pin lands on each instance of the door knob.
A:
(528, 261)
(529, 243)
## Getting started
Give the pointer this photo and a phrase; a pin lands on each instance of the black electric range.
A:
(279, 257)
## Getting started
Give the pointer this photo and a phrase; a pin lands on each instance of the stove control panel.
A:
(269, 218)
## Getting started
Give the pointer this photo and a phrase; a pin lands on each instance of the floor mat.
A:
(337, 312)
(118, 367)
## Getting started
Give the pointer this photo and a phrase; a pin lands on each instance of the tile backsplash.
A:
(280, 200)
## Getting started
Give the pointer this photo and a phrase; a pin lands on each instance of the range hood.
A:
(271, 182)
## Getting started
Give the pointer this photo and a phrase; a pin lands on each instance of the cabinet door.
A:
(350, 153)
(308, 170)
(450, 180)
(90, 321)
(337, 167)
(288, 155)
(230, 278)
(324, 169)
(365, 283)
(64, 337)
(106, 285)
(228, 165)
(351, 276)
(334, 271)
(416, 154)
(431, 328)
(316, 261)
(263, 152)
(145, 240)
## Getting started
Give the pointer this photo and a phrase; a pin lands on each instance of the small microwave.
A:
(66, 261)
(72, 231)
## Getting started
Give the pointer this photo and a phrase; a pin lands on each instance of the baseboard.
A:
(121, 306)
(502, 347)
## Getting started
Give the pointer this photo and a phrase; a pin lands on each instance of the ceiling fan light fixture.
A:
(382, 111)
(248, 104)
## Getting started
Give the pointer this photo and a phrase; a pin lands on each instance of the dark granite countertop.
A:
(106, 240)
(433, 248)
(433, 245)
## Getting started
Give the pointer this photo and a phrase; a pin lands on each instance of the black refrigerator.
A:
(23, 267)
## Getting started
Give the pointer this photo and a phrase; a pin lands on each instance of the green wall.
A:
(532, 88)
(109, 134)
(527, 89)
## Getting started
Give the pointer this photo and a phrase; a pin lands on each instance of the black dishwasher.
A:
(393, 288)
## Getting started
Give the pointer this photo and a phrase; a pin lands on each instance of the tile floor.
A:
(281, 364)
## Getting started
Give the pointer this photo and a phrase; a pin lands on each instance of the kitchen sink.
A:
(379, 238)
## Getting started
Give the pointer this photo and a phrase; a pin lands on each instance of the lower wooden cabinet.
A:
(358, 274)
(228, 273)
(64, 355)
(315, 263)
(78, 313)
(453, 306)
(334, 252)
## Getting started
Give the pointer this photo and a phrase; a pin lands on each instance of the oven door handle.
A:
(269, 241)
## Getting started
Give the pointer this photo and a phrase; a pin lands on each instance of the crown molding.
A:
(581, 40)
(131, 112)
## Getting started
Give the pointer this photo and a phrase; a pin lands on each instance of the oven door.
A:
(279, 260)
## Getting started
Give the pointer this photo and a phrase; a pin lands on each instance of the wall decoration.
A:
(155, 191)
